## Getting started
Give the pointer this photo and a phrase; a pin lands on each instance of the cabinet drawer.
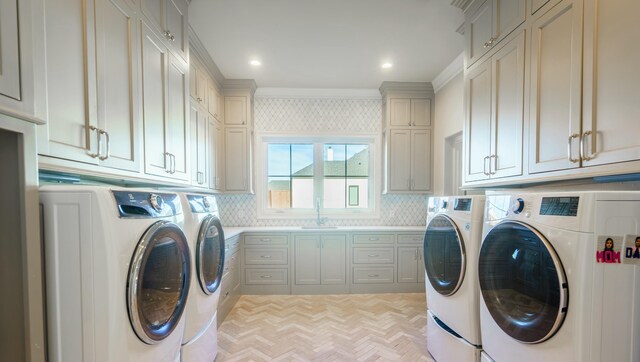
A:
(372, 275)
(266, 256)
(230, 263)
(231, 245)
(373, 255)
(266, 240)
(266, 276)
(373, 238)
(410, 239)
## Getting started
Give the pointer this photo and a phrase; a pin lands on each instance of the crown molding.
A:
(449, 72)
(317, 93)
(461, 4)
(203, 55)
(408, 88)
(240, 84)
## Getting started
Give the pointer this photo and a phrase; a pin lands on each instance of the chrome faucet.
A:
(319, 220)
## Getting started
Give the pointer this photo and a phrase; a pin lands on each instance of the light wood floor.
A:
(356, 327)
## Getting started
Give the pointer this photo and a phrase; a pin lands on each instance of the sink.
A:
(322, 227)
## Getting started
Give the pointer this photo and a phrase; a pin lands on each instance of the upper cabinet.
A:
(92, 84)
(494, 115)
(407, 110)
(488, 22)
(236, 110)
(410, 112)
(238, 146)
(611, 98)
(169, 17)
(556, 84)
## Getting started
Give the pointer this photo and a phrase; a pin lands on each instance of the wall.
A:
(326, 115)
(449, 120)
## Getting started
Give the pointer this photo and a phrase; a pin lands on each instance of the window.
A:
(300, 175)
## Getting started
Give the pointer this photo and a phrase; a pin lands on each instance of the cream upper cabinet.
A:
(407, 112)
(489, 23)
(169, 17)
(409, 160)
(199, 146)
(164, 104)
(9, 50)
(237, 159)
(495, 114)
(235, 110)
(213, 100)
(556, 83)
(92, 84)
(216, 155)
(611, 97)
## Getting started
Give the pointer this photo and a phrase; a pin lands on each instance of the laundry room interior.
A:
(285, 180)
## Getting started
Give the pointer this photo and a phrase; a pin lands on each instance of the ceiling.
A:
(328, 43)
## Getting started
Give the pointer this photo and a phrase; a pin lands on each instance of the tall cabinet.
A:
(407, 112)
(238, 136)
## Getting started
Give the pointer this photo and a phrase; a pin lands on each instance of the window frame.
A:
(375, 157)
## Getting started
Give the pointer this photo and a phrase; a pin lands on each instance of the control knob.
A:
(517, 206)
(156, 202)
(206, 202)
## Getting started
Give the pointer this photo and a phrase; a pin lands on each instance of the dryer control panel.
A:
(202, 203)
(136, 204)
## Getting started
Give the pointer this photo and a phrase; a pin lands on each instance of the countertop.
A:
(230, 232)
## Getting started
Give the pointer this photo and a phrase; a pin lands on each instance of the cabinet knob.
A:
(265, 256)
(373, 275)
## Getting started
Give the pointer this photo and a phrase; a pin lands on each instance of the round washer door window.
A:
(158, 282)
(444, 255)
(210, 254)
(522, 282)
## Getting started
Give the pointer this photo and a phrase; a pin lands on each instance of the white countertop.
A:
(236, 230)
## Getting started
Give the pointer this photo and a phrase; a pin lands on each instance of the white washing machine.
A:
(117, 273)
(451, 245)
(555, 281)
(206, 241)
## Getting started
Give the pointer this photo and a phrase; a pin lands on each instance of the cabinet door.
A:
(399, 160)
(556, 85)
(216, 155)
(177, 126)
(236, 159)
(307, 259)
(9, 50)
(507, 111)
(478, 33)
(212, 99)
(333, 259)
(193, 80)
(477, 122)
(199, 135)
(154, 11)
(117, 68)
(400, 109)
(201, 87)
(407, 264)
(421, 160)
(71, 99)
(176, 23)
(421, 112)
(154, 58)
(507, 15)
(235, 110)
(611, 104)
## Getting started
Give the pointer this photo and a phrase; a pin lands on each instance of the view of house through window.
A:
(335, 174)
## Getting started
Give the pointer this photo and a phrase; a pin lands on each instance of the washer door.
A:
(444, 255)
(522, 282)
(158, 282)
(210, 254)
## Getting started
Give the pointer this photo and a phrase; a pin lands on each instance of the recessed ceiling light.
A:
(386, 65)
(255, 63)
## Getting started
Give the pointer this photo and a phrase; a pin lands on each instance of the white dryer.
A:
(451, 245)
(554, 280)
(206, 241)
(117, 273)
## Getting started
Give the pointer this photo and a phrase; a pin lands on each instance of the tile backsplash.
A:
(322, 115)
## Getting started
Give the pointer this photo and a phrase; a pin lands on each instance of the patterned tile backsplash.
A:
(322, 115)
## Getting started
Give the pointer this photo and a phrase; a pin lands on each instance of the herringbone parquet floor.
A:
(351, 327)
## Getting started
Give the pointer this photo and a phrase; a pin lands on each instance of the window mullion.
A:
(318, 174)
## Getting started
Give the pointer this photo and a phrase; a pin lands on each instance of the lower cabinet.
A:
(320, 264)
(410, 265)
(265, 263)
(230, 286)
